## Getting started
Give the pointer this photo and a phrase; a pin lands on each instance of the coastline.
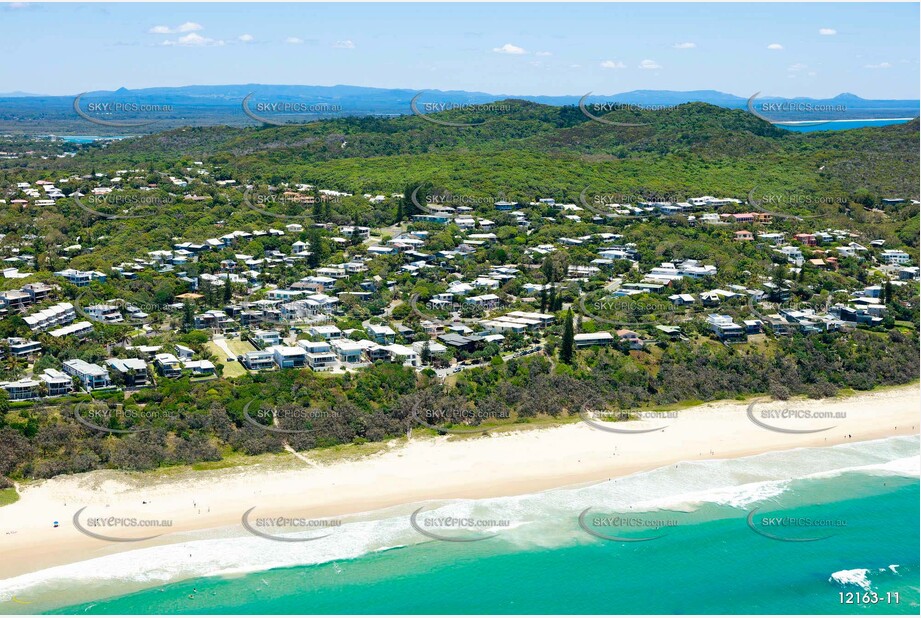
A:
(505, 464)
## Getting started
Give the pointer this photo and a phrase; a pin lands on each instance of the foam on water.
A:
(546, 519)
(852, 577)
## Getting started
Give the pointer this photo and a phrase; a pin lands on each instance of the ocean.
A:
(842, 125)
(815, 530)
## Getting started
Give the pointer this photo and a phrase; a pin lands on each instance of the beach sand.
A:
(504, 464)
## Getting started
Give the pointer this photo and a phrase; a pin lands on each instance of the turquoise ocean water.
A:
(851, 526)
(843, 125)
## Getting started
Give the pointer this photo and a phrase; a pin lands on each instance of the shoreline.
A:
(508, 463)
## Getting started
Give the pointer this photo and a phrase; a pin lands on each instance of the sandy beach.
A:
(509, 463)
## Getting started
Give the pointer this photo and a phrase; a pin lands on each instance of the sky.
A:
(816, 50)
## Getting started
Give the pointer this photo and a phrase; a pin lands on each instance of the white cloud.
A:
(189, 26)
(795, 68)
(344, 45)
(293, 40)
(827, 31)
(508, 48)
(613, 64)
(650, 65)
(542, 53)
(684, 45)
(193, 40)
(18, 5)
(881, 65)
(575, 66)
(775, 46)
(246, 38)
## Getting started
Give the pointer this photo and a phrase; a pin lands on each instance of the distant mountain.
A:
(223, 105)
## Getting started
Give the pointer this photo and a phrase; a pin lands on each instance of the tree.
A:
(228, 292)
(566, 349)
(188, 317)
(426, 353)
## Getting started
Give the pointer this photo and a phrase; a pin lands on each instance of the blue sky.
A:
(815, 50)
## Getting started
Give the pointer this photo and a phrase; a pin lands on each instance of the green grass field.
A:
(8, 496)
(232, 369)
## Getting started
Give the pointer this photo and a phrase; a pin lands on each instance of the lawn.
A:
(8, 496)
(232, 369)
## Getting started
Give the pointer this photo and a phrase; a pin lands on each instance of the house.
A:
(381, 333)
(289, 357)
(402, 354)
(671, 271)
(81, 278)
(57, 382)
(77, 329)
(327, 332)
(454, 340)
(183, 352)
(320, 356)
(807, 239)
(487, 301)
(23, 348)
(133, 370)
(265, 338)
(108, 314)
(725, 328)
(15, 300)
(37, 291)
(21, 390)
(214, 318)
(91, 375)
(680, 300)
(631, 337)
(168, 365)
(199, 367)
(792, 253)
(894, 256)
(672, 332)
(55, 315)
(348, 351)
(434, 348)
(744, 235)
(258, 360)
(584, 340)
